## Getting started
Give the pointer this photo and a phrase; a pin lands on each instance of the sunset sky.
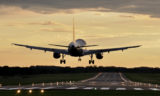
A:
(107, 23)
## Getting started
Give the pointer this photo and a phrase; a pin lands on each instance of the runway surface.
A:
(102, 81)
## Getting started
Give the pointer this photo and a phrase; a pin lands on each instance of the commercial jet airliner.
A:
(76, 49)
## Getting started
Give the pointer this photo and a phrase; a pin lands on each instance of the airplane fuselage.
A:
(75, 49)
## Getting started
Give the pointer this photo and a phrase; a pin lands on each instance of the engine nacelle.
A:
(99, 56)
(56, 55)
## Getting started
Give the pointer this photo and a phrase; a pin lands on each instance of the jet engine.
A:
(56, 55)
(99, 56)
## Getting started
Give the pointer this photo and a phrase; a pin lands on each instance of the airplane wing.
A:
(108, 50)
(63, 51)
(68, 46)
(58, 45)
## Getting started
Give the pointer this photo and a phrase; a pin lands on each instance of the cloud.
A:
(148, 7)
(14, 10)
(147, 40)
(127, 16)
(55, 30)
(44, 23)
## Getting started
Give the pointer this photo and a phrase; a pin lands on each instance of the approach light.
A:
(18, 91)
(30, 91)
(42, 91)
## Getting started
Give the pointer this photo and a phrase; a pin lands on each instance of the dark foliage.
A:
(5, 70)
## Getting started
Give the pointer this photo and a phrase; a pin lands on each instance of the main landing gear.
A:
(62, 61)
(91, 61)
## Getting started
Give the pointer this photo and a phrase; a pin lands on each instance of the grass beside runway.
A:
(153, 78)
(46, 78)
(80, 93)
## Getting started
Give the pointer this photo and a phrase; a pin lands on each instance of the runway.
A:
(102, 81)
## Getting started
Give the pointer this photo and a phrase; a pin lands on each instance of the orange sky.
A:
(107, 29)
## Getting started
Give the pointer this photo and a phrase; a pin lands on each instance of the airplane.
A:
(76, 49)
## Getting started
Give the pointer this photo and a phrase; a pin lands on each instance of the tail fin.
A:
(73, 30)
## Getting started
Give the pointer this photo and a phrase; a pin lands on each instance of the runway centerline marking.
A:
(32, 88)
(3, 88)
(48, 87)
(88, 88)
(154, 89)
(72, 88)
(15, 88)
(105, 88)
(138, 89)
(120, 88)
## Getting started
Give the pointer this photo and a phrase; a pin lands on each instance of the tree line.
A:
(7, 71)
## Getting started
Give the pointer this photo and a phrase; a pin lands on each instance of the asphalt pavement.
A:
(102, 81)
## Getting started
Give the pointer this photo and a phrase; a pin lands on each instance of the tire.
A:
(64, 61)
(60, 61)
(93, 62)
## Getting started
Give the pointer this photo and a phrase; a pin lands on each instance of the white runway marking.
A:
(120, 88)
(32, 88)
(104, 88)
(88, 88)
(14, 88)
(138, 89)
(154, 89)
(72, 88)
(114, 83)
(3, 88)
(48, 87)
(92, 78)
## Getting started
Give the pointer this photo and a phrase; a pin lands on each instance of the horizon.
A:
(78, 66)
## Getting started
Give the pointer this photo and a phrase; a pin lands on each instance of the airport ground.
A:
(103, 84)
(81, 93)
(153, 78)
(46, 78)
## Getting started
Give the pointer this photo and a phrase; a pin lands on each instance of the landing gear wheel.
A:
(91, 61)
(62, 61)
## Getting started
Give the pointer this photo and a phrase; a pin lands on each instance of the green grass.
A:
(153, 78)
(81, 93)
(46, 78)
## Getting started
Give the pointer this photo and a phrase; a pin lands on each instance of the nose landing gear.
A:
(91, 61)
(79, 59)
(62, 61)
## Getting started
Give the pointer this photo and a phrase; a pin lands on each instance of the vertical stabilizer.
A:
(73, 30)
